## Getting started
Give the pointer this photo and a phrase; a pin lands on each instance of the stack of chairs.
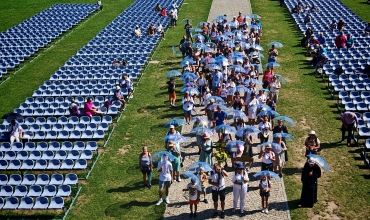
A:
(22, 41)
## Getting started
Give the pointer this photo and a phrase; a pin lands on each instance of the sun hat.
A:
(255, 56)
(310, 161)
(193, 179)
(172, 126)
(239, 165)
(117, 87)
(186, 92)
(268, 146)
(312, 132)
(212, 100)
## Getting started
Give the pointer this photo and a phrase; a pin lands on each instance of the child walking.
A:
(194, 194)
(203, 180)
(265, 187)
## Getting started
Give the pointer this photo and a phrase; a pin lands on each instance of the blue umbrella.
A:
(185, 20)
(189, 74)
(231, 24)
(287, 136)
(201, 131)
(230, 44)
(268, 112)
(247, 129)
(208, 60)
(225, 129)
(266, 173)
(211, 44)
(237, 68)
(196, 30)
(175, 138)
(253, 26)
(199, 45)
(236, 114)
(194, 167)
(157, 156)
(247, 16)
(276, 44)
(216, 98)
(272, 64)
(187, 85)
(264, 90)
(213, 66)
(190, 175)
(229, 33)
(218, 19)
(222, 60)
(239, 54)
(256, 81)
(183, 63)
(200, 121)
(256, 47)
(208, 50)
(176, 51)
(172, 73)
(275, 147)
(175, 122)
(200, 24)
(191, 90)
(233, 145)
(280, 78)
(261, 55)
(214, 107)
(256, 16)
(287, 121)
(225, 37)
(320, 161)
(263, 106)
(237, 59)
(196, 36)
(240, 88)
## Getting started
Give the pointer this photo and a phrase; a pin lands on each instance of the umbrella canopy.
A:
(268, 112)
(201, 131)
(200, 121)
(208, 60)
(217, 99)
(287, 121)
(12, 116)
(231, 24)
(213, 66)
(256, 47)
(247, 16)
(276, 44)
(287, 136)
(247, 129)
(200, 24)
(280, 78)
(187, 85)
(263, 106)
(183, 63)
(225, 129)
(211, 44)
(208, 50)
(256, 16)
(237, 69)
(214, 107)
(196, 36)
(221, 60)
(192, 91)
(175, 122)
(236, 114)
(240, 88)
(230, 44)
(271, 64)
(175, 138)
(320, 161)
(266, 173)
(233, 145)
(157, 156)
(253, 26)
(275, 147)
(199, 45)
(185, 20)
(256, 81)
(239, 54)
(264, 90)
(172, 73)
(189, 75)
(190, 175)
(229, 33)
(195, 167)
(225, 37)
(197, 30)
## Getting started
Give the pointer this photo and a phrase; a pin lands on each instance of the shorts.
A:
(204, 190)
(266, 166)
(195, 202)
(162, 184)
(216, 193)
(146, 171)
(172, 95)
(224, 98)
(189, 35)
(264, 194)
(187, 112)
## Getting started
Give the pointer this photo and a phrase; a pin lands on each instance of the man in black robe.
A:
(311, 172)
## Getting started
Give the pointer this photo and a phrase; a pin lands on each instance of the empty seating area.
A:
(22, 41)
(55, 141)
(352, 87)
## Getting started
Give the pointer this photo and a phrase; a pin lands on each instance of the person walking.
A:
(240, 187)
(310, 173)
(349, 123)
(194, 194)
(176, 163)
(146, 167)
(202, 176)
(206, 150)
(165, 178)
(217, 180)
(187, 105)
(268, 157)
(312, 143)
(265, 187)
(172, 92)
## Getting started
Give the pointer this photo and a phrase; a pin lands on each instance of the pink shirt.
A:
(88, 108)
(340, 41)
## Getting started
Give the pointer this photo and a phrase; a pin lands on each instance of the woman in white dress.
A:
(240, 187)
(251, 109)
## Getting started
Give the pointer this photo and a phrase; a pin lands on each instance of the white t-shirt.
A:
(189, 105)
(165, 174)
(214, 178)
(262, 98)
(248, 92)
(264, 127)
(266, 157)
(239, 178)
(193, 191)
(223, 93)
(273, 86)
(264, 184)
(202, 81)
(231, 88)
(205, 97)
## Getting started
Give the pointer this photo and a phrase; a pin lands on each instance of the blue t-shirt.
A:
(216, 79)
(219, 117)
(350, 42)
(321, 40)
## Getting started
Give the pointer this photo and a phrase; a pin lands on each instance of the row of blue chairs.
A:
(35, 191)
(41, 179)
(46, 155)
(42, 202)
(51, 146)
(42, 164)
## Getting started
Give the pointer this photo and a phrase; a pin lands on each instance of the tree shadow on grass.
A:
(293, 204)
(134, 185)
(169, 116)
(291, 171)
(170, 63)
(122, 210)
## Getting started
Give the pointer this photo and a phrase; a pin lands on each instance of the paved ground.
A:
(230, 8)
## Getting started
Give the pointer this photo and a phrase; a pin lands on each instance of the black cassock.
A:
(309, 188)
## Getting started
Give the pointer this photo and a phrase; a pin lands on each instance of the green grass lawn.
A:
(114, 189)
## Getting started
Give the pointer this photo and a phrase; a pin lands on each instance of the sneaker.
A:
(205, 201)
(178, 179)
(191, 215)
(167, 200)
(247, 169)
(263, 211)
(280, 175)
(222, 215)
(131, 96)
(159, 201)
(267, 211)
(215, 214)
(150, 186)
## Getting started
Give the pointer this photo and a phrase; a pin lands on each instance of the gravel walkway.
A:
(230, 8)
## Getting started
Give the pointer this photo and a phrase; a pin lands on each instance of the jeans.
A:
(349, 128)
